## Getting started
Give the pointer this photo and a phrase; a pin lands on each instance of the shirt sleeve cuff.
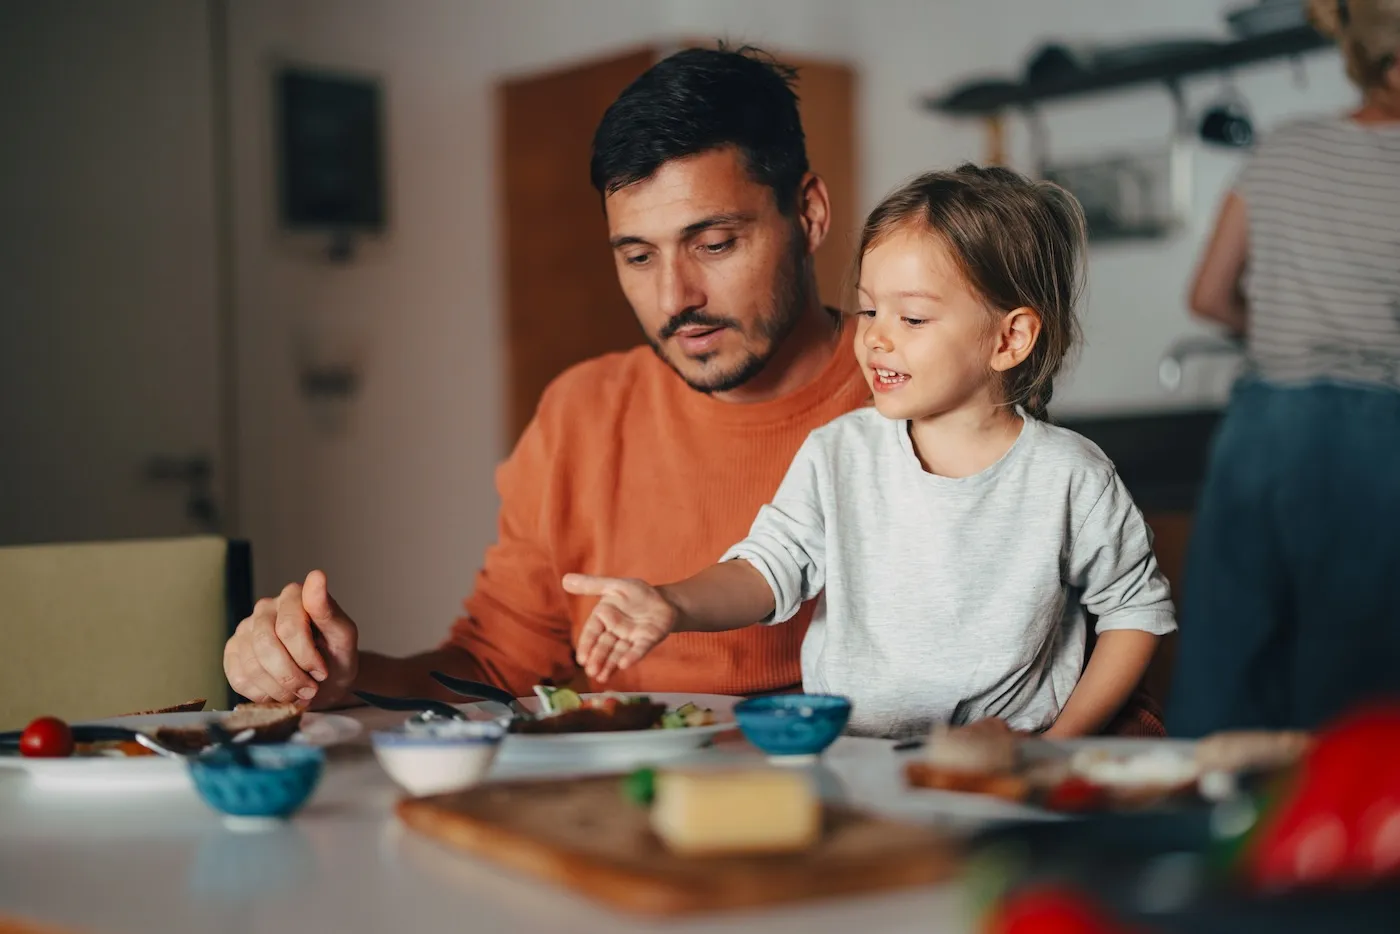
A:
(1157, 622)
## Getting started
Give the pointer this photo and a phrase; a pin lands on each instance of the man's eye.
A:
(714, 249)
(640, 259)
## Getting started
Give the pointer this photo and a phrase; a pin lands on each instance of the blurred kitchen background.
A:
(187, 345)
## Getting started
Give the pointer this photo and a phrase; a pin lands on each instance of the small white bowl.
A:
(439, 756)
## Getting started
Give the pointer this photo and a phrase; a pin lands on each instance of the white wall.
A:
(399, 505)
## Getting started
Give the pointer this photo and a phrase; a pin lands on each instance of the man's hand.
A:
(630, 619)
(300, 647)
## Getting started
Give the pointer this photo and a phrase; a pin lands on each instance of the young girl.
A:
(955, 540)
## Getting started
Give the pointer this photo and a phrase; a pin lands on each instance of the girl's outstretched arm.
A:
(633, 616)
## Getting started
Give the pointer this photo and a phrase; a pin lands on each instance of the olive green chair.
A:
(97, 629)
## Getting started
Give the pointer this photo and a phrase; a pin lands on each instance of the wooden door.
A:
(563, 302)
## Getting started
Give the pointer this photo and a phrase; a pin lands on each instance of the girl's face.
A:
(925, 341)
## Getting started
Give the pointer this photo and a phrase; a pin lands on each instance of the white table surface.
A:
(163, 862)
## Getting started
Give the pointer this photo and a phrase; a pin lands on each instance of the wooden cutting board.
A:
(584, 835)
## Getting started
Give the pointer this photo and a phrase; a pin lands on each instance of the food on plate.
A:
(563, 710)
(971, 760)
(1141, 778)
(989, 762)
(46, 738)
(1252, 750)
(735, 812)
(270, 723)
(687, 715)
(597, 715)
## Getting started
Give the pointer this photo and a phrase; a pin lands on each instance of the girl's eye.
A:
(914, 322)
(866, 313)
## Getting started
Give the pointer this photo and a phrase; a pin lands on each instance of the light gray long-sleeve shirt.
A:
(953, 599)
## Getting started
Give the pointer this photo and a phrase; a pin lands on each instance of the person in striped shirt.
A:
(1290, 613)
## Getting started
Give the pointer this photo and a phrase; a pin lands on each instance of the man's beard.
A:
(791, 294)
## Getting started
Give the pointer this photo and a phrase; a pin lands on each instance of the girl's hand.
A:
(629, 620)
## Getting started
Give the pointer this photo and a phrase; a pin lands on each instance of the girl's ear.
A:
(1015, 337)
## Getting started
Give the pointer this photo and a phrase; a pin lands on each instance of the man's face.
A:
(715, 274)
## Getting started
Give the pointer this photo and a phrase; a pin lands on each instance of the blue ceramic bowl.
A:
(793, 724)
(283, 778)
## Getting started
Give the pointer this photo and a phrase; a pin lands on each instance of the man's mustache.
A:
(693, 318)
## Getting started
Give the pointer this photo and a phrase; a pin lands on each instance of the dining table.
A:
(129, 861)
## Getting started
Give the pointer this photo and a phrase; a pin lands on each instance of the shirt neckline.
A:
(986, 475)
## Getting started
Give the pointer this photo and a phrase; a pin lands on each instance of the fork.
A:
(426, 705)
(484, 691)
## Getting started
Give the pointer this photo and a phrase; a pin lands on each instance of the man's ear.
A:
(813, 210)
(1015, 337)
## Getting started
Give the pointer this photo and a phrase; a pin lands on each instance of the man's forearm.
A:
(1116, 666)
(408, 677)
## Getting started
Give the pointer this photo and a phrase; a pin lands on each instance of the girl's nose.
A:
(875, 336)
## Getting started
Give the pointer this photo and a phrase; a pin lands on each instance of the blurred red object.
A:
(1341, 822)
(1052, 910)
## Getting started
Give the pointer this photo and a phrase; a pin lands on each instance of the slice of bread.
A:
(1007, 785)
(189, 706)
(1252, 750)
(270, 723)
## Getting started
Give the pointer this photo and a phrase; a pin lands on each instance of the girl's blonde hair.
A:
(1368, 32)
(1018, 243)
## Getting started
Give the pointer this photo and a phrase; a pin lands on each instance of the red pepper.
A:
(1342, 822)
(1051, 910)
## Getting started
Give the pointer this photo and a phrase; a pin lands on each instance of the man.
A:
(647, 463)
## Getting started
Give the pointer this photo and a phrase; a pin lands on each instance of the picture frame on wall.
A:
(330, 154)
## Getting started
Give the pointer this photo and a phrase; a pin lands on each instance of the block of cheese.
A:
(735, 812)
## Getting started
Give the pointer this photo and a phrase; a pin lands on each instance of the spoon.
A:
(234, 744)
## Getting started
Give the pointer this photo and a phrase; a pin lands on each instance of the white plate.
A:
(621, 749)
(1036, 748)
(97, 774)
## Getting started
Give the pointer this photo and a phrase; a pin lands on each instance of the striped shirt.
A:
(1323, 275)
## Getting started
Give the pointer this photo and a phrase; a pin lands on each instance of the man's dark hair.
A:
(698, 100)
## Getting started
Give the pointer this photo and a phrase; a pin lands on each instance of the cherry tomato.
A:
(46, 737)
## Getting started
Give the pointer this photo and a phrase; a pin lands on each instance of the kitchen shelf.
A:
(989, 97)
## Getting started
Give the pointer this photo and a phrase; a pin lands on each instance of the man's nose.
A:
(678, 287)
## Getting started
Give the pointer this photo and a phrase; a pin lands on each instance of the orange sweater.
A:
(626, 471)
